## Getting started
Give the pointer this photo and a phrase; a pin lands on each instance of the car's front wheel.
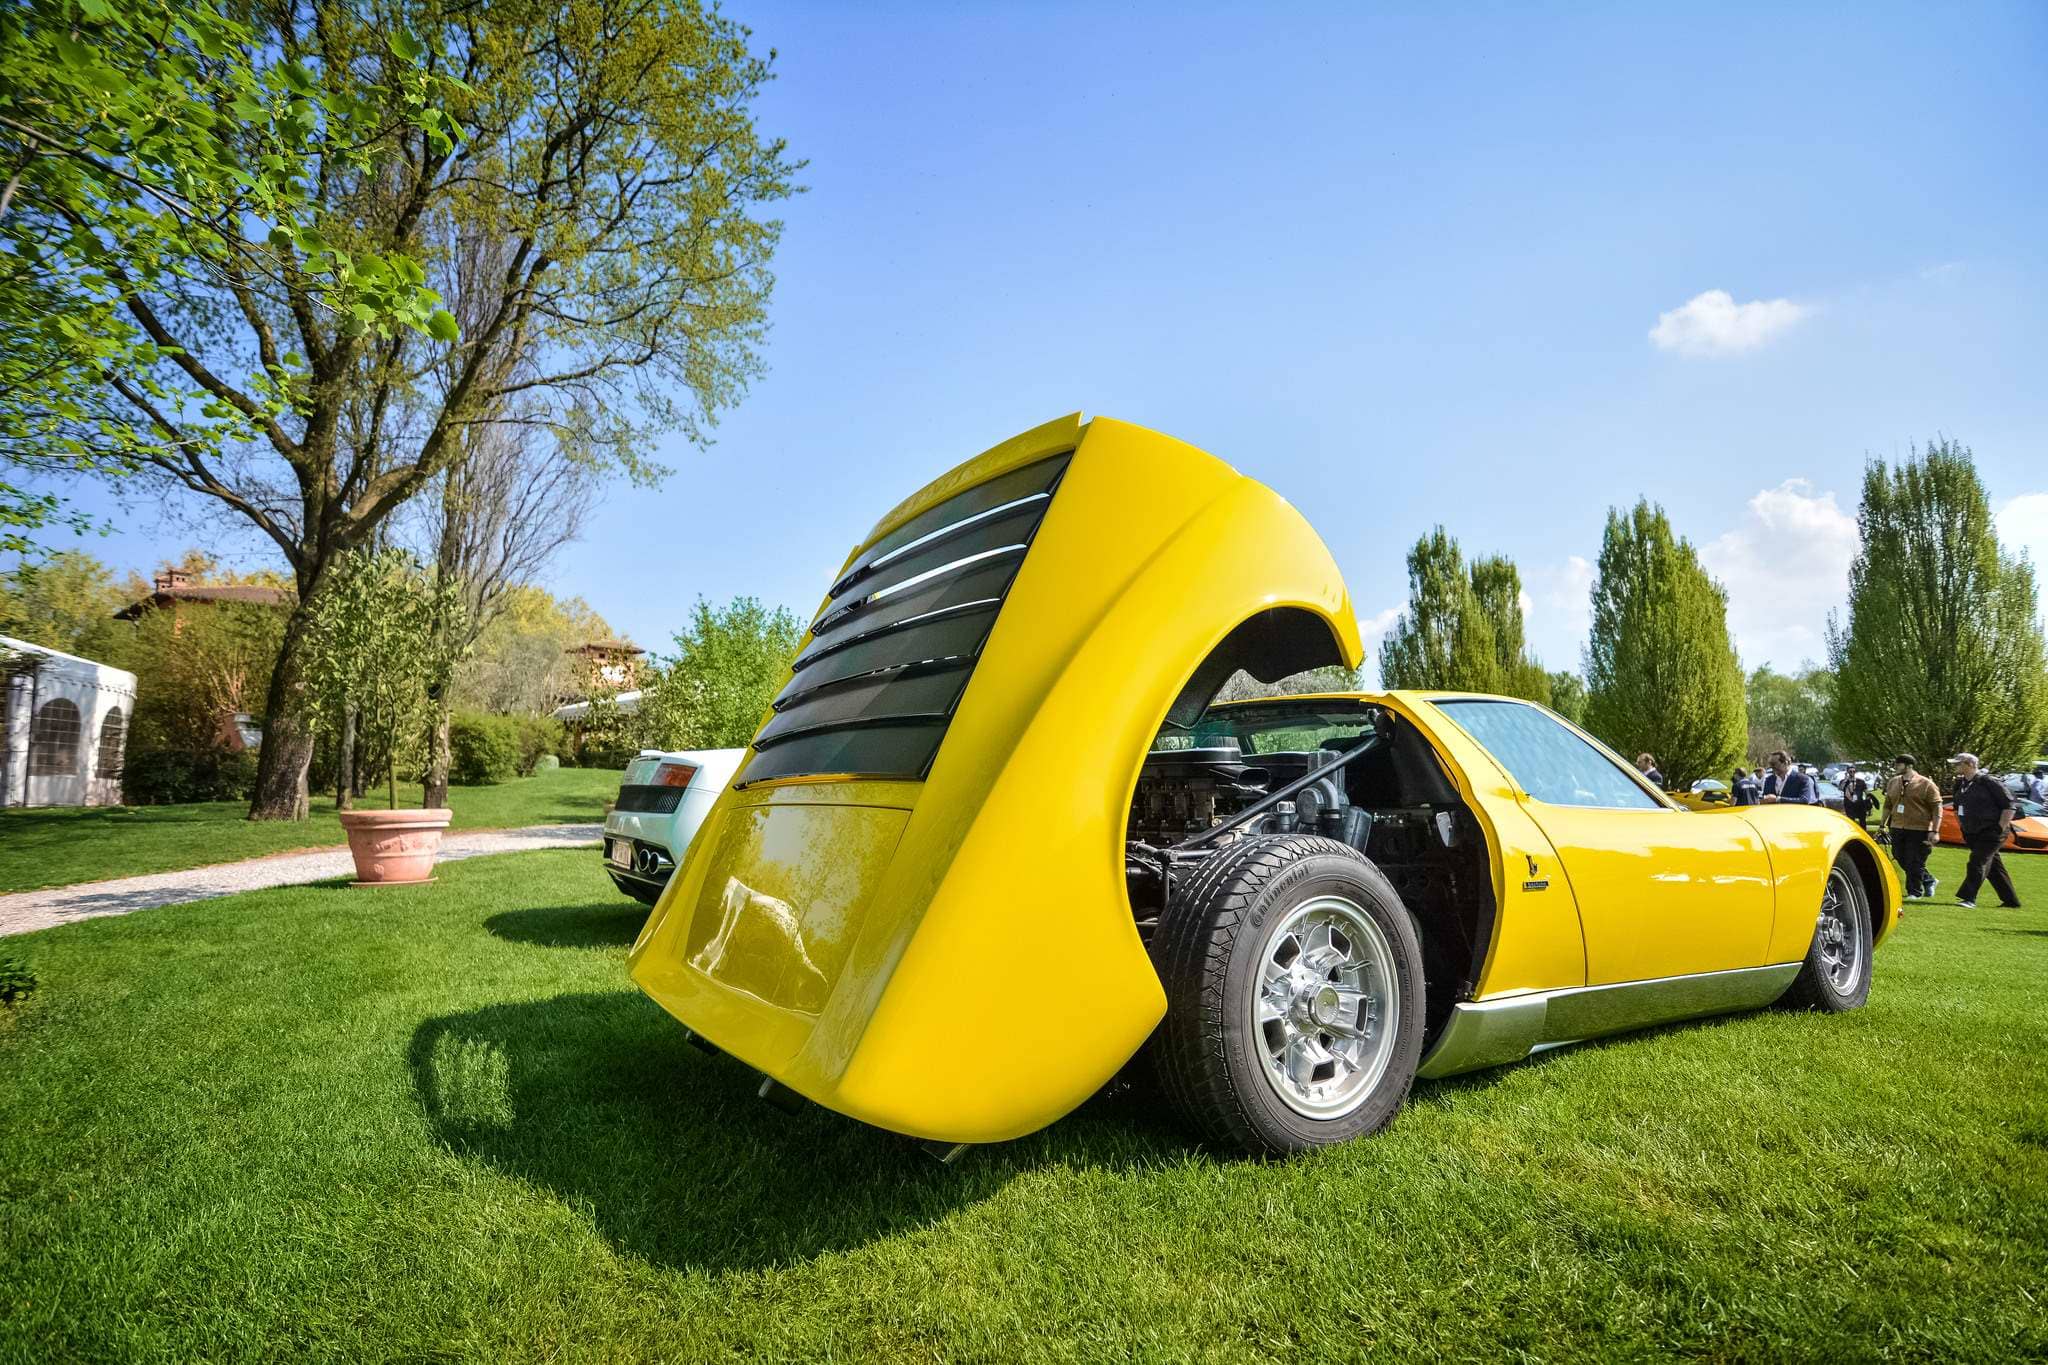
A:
(1836, 973)
(1294, 996)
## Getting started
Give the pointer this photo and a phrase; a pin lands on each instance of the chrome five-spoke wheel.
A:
(1838, 936)
(1294, 995)
(1327, 1006)
(1836, 972)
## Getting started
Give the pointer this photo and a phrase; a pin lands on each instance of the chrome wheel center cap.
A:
(1324, 1004)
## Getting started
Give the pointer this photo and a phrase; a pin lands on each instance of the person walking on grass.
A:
(1744, 790)
(1984, 809)
(1912, 812)
(1647, 766)
(1786, 785)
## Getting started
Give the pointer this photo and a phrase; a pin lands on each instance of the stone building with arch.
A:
(63, 727)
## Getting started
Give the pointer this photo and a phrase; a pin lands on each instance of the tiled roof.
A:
(163, 597)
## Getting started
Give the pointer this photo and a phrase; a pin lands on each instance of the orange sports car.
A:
(2029, 828)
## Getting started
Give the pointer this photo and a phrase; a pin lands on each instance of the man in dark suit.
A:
(1786, 784)
(1984, 809)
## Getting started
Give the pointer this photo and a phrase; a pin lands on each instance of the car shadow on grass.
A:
(599, 1098)
(596, 924)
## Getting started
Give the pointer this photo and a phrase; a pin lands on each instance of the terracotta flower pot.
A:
(394, 847)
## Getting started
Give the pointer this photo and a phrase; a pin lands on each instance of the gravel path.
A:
(30, 910)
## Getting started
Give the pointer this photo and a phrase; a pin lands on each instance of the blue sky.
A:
(1405, 268)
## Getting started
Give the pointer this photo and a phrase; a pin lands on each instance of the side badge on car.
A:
(1535, 882)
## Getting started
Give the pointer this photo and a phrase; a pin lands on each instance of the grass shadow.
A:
(594, 924)
(599, 1098)
(2016, 933)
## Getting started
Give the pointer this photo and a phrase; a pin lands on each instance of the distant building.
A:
(63, 727)
(175, 590)
(606, 665)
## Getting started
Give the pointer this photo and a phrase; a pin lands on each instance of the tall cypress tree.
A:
(1943, 650)
(1444, 640)
(1462, 631)
(1497, 587)
(1568, 696)
(1661, 672)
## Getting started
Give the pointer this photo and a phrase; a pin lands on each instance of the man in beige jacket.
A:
(1912, 813)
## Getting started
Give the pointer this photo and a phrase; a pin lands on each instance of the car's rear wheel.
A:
(1294, 996)
(1836, 973)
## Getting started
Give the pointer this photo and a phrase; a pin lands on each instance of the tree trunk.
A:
(345, 763)
(439, 759)
(456, 509)
(287, 731)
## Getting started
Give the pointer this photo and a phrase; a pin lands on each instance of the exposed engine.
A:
(1182, 792)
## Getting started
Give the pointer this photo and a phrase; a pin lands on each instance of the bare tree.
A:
(505, 509)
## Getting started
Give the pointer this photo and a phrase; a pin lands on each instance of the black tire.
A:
(1211, 951)
(1841, 938)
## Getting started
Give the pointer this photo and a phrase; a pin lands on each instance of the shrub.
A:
(16, 980)
(539, 737)
(483, 750)
(167, 777)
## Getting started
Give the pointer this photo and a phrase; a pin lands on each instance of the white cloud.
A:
(2023, 527)
(1785, 567)
(1713, 323)
(1558, 608)
(1372, 630)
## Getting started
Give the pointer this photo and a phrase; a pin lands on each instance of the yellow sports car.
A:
(993, 837)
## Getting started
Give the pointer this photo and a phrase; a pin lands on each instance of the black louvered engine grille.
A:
(892, 651)
(649, 800)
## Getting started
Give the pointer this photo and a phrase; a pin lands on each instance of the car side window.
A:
(1550, 762)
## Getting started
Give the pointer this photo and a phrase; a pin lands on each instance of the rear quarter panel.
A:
(1803, 842)
(991, 976)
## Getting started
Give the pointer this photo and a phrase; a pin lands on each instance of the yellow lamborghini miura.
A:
(995, 835)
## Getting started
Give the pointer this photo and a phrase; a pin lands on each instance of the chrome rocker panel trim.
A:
(1483, 1033)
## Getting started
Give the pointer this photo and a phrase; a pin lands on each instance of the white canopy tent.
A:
(63, 727)
(627, 702)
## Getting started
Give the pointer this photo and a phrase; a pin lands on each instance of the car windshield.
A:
(1275, 727)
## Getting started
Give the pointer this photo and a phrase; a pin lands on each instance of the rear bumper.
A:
(646, 890)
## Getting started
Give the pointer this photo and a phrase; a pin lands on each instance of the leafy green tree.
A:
(1445, 638)
(66, 601)
(1463, 630)
(1790, 712)
(581, 181)
(195, 671)
(160, 148)
(1568, 696)
(1497, 587)
(1942, 651)
(728, 664)
(372, 650)
(1661, 672)
(521, 664)
(1330, 678)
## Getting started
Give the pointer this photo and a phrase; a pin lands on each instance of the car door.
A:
(1661, 891)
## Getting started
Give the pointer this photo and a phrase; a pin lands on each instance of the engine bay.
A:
(1394, 802)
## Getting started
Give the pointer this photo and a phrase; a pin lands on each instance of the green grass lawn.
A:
(323, 1123)
(56, 847)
